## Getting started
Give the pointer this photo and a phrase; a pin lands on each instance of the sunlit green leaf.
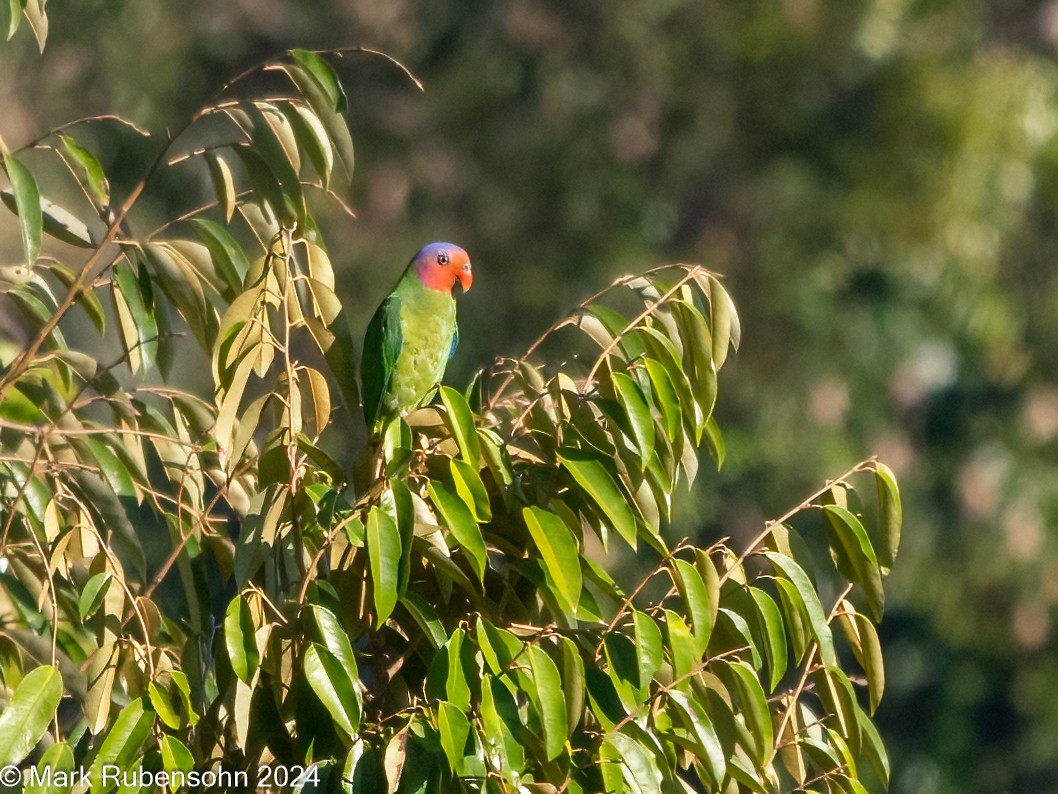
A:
(754, 708)
(175, 756)
(855, 556)
(27, 203)
(123, 741)
(28, 713)
(461, 420)
(228, 257)
(808, 600)
(891, 516)
(460, 522)
(335, 686)
(701, 602)
(773, 636)
(471, 489)
(384, 550)
(54, 765)
(592, 476)
(697, 720)
(240, 640)
(92, 595)
(560, 553)
(648, 645)
(549, 700)
(324, 75)
(454, 729)
(863, 637)
(639, 413)
(88, 170)
(639, 768)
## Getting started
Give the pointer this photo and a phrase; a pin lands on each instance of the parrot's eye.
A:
(442, 259)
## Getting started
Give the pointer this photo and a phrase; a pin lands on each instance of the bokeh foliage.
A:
(194, 579)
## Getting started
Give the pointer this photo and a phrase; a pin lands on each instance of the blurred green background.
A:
(877, 180)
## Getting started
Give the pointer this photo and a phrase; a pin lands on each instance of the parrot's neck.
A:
(413, 291)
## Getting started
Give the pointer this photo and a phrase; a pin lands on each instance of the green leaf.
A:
(88, 170)
(573, 683)
(456, 687)
(623, 670)
(178, 279)
(461, 421)
(835, 692)
(698, 341)
(163, 706)
(280, 158)
(649, 648)
(682, 646)
(92, 595)
(499, 647)
(732, 631)
(774, 636)
(639, 767)
(715, 442)
(324, 77)
(175, 755)
(27, 203)
(502, 749)
(872, 748)
(755, 709)
(15, 9)
(855, 556)
(113, 469)
(38, 21)
(665, 396)
(334, 639)
(223, 184)
(397, 502)
(591, 475)
(134, 306)
(549, 700)
(460, 522)
(808, 601)
(383, 549)
(228, 257)
(865, 644)
(891, 515)
(639, 413)
(58, 222)
(426, 616)
(560, 553)
(28, 713)
(123, 741)
(454, 729)
(240, 639)
(332, 120)
(700, 601)
(471, 489)
(696, 719)
(335, 686)
(725, 326)
(312, 138)
(58, 762)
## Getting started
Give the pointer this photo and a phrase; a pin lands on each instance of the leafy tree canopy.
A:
(193, 582)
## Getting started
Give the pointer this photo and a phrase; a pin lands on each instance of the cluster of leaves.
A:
(190, 581)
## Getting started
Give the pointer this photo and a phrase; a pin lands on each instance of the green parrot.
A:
(413, 334)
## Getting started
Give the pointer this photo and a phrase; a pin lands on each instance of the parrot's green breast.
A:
(428, 326)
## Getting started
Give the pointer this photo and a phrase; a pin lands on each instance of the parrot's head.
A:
(441, 266)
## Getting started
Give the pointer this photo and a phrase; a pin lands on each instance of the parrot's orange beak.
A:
(466, 277)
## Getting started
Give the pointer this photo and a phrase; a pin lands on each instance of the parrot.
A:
(413, 334)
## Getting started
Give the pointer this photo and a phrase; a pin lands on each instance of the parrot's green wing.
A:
(382, 346)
